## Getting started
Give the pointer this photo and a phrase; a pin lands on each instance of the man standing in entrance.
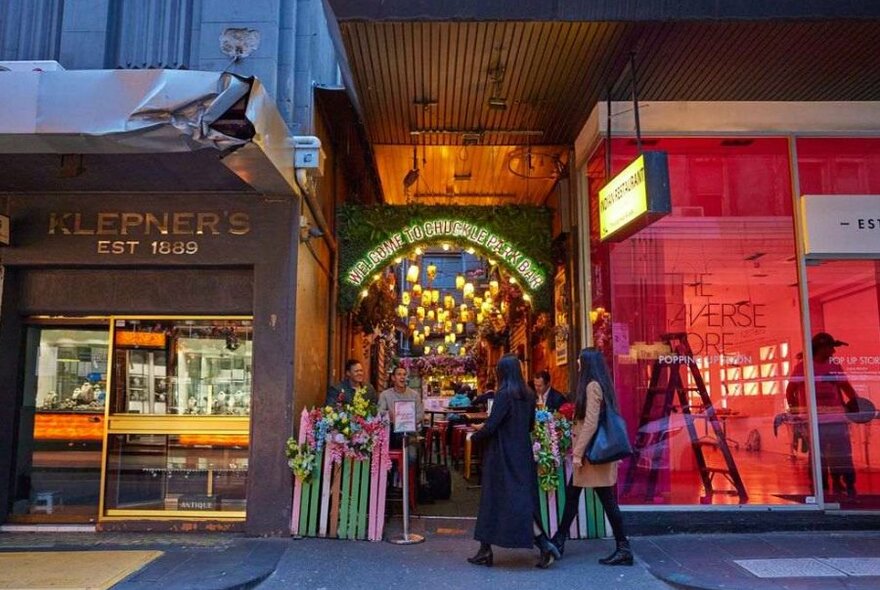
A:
(833, 391)
(548, 398)
(343, 392)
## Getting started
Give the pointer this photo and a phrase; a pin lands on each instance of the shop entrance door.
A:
(845, 323)
(57, 476)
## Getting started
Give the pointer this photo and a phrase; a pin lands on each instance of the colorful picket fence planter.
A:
(590, 521)
(344, 500)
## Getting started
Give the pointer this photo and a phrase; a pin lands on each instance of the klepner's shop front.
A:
(147, 310)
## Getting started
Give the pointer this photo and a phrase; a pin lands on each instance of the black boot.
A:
(549, 552)
(559, 541)
(622, 555)
(483, 556)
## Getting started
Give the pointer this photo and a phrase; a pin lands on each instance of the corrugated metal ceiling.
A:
(430, 83)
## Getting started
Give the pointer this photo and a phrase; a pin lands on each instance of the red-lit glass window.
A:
(721, 268)
(839, 166)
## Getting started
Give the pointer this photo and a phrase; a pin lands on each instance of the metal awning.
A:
(123, 120)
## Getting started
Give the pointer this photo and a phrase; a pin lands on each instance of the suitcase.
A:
(439, 481)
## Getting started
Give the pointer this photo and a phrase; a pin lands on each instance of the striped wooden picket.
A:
(297, 484)
(345, 501)
(590, 522)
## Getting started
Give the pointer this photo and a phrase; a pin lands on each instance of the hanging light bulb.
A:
(512, 280)
(493, 287)
(417, 290)
(468, 290)
(459, 328)
(471, 251)
(449, 302)
(427, 350)
(463, 307)
(447, 326)
(427, 331)
(405, 298)
(364, 293)
(412, 274)
(402, 311)
(418, 252)
(526, 297)
(435, 296)
(440, 349)
(420, 312)
(459, 282)
(451, 338)
(432, 272)
(445, 247)
(430, 315)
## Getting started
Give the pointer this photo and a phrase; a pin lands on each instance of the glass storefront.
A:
(716, 283)
(177, 442)
(161, 417)
(61, 425)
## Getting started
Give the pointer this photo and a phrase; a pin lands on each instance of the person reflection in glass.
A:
(833, 390)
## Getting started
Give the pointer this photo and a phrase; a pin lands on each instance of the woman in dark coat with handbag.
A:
(509, 506)
(594, 388)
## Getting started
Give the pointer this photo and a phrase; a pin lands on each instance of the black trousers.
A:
(607, 496)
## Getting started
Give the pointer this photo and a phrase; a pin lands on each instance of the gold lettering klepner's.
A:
(130, 223)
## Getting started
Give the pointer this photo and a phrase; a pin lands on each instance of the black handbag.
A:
(611, 442)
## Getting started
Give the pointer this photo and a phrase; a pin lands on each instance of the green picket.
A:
(355, 495)
(545, 522)
(304, 508)
(560, 493)
(600, 518)
(315, 500)
(365, 494)
(591, 501)
(343, 499)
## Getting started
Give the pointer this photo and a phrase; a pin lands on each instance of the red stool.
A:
(438, 434)
(396, 455)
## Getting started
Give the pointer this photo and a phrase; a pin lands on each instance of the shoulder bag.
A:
(611, 442)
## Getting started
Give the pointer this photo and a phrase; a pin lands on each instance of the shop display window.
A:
(199, 474)
(720, 269)
(182, 367)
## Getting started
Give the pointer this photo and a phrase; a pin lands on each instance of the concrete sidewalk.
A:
(800, 560)
(817, 560)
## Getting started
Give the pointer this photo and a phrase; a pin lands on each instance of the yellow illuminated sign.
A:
(624, 199)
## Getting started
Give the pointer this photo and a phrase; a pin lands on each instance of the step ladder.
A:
(669, 386)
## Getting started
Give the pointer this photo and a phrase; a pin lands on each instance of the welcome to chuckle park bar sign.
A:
(635, 198)
(522, 247)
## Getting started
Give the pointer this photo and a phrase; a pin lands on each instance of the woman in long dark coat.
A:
(509, 507)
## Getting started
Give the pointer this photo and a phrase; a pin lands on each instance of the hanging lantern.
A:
(420, 312)
(459, 328)
(468, 290)
(447, 326)
(466, 316)
(480, 318)
(405, 298)
(412, 324)
(427, 350)
(488, 300)
(432, 272)
(440, 349)
(478, 301)
(463, 307)
(503, 307)
(462, 351)
(412, 274)
(487, 294)
(430, 315)
(402, 311)
(417, 290)
(459, 282)
(427, 331)
(449, 302)
(493, 287)
(451, 338)
(435, 296)
(486, 308)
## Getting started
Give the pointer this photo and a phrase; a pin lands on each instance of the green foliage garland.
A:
(362, 228)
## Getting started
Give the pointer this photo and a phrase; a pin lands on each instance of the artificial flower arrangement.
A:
(346, 430)
(551, 440)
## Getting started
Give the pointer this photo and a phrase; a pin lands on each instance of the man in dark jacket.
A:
(343, 392)
(548, 398)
